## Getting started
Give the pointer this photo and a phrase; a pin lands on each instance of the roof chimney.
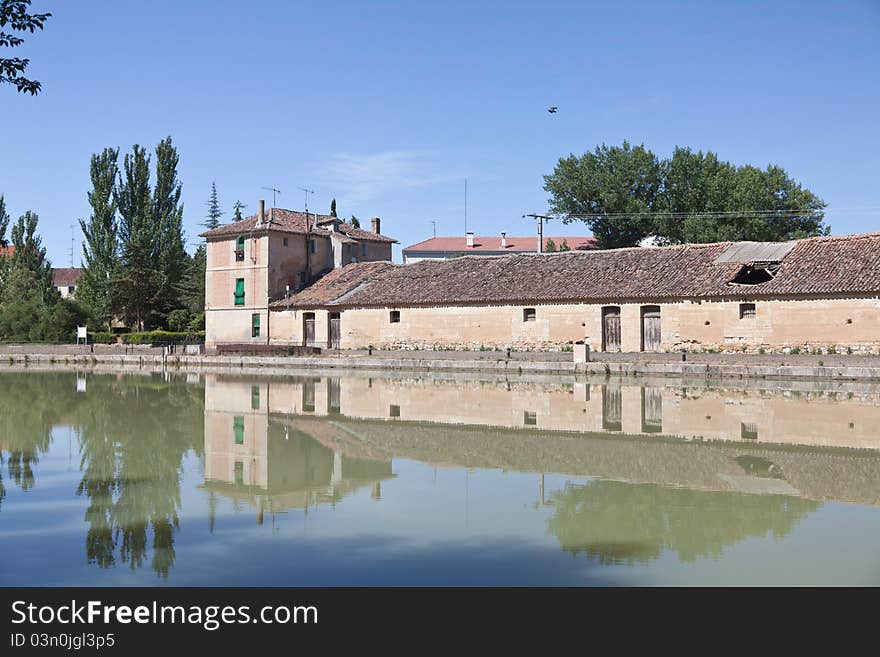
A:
(261, 211)
(503, 240)
(469, 236)
(376, 223)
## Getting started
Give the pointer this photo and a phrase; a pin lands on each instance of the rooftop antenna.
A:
(72, 243)
(274, 191)
(434, 224)
(306, 192)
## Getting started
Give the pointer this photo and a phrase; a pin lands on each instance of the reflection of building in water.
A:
(619, 432)
(832, 419)
(276, 465)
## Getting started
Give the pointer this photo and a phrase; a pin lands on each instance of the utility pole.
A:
(72, 243)
(274, 191)
(465, 206)
(540, 218)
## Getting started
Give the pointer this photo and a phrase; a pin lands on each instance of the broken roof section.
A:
(815, 266)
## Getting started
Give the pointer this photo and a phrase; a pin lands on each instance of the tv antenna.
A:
(274, 191)
(307, 191)
(72, 243)
(434, 225)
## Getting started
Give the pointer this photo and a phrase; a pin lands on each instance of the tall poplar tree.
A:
(138, 285)
(168, 219)
(4, 223)
(100, 248)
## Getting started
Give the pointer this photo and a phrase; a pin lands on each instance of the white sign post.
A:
(82, 334)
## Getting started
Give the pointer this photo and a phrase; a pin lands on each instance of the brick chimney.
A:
(503, 240)
(469, 237)
(261, 211)
(376, 223)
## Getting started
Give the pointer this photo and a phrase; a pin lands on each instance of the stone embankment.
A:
(708, 366)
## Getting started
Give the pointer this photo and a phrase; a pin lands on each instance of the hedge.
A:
(148, 337)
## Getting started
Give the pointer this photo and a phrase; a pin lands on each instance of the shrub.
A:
(163, 337)
(102, 337)
(178, 320)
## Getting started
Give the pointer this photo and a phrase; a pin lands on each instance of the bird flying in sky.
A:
(553, 109)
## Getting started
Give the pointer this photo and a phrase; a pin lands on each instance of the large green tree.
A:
(15, 17)
(100, 248)
(626, 194)
(611, 189)
(4, 223)
(168, 218)
(139, 282)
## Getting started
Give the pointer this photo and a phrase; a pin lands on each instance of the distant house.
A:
(65, 279)
(7, 250)
(443, 248)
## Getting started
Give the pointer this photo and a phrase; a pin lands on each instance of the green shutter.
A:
(255, 326)
(255, 398)
(239, 291)
(238, 429)
(240, 243)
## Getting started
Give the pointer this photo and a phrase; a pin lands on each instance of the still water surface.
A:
(314, 480)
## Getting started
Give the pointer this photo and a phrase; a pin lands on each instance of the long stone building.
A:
(817, 294)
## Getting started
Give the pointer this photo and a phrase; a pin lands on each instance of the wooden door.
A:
(309, 329)
(650, 328)
(333, 342)
(611, 328)
(652, 410)
(611, 408)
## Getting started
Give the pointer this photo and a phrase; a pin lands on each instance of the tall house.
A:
(269, 256)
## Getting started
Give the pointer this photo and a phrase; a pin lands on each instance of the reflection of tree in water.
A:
(29, 407)
(134, 434)
(617, 522)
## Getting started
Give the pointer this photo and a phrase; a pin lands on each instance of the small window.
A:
(394, 410)
(394, 317)
(238, 469)
(747, 311)
(748, 430)
(255, 398)
(313, 246)
(238, 429)
(255, 326)
(71, 289)
(530, 418)
(285, 241)
(363, 250)
(239, 249)
(239, 291)
(528, 314)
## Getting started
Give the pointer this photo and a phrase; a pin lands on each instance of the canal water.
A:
(213, 479)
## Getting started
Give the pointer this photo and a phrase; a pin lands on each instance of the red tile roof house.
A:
(820, 294)
(443, 248)
(65, 279)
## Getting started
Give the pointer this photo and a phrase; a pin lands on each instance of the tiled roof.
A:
(290, 221)
(7, 250)
(336, 284)
(493, 244)
(820, 265)
(65, 276)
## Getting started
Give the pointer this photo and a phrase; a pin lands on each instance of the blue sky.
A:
(390, 106)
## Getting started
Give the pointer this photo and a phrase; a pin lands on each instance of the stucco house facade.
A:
(819, 294)
(270, 256)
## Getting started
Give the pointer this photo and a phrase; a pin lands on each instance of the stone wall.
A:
(829, 325)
